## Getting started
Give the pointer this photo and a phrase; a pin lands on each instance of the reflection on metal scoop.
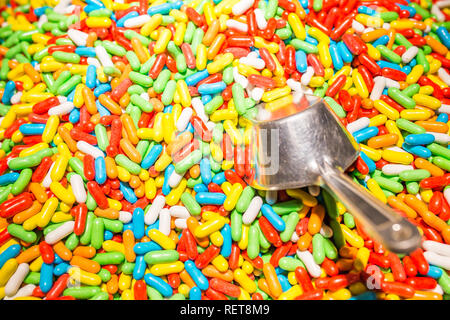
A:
(303, 144)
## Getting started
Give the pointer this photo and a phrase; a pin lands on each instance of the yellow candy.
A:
(415, 74)
(84, 277)
(209, 227)
(397, 157)
(386, 109)
(244, 281)
(427, 101)
(297, 26)
(161, 239)
(167, 268)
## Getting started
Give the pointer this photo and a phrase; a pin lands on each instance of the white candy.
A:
(252, 211)
(257, 93)
(263, 114)
(15, 99)
(155, 209)
(436, 247)
(47, 179)
(144, 95)
(70, 9)
(359, 27)
(181, 223)
(437, 260)
(184, 118)
(136, 22)
(233, 24)
(60, 233)
(175, 179)
(62, 109)
(306, 77)
(378, 87)
(242, 6)
(441, 138)
(261, 21)
(62, 6)
(326, 231)
(199, 108)
(93, 62)
(392, 83)
(42, 19)
(125, 216)
(256, 63)
(359, 124)
(210, 125)
(443, 74)
(444, 108)
(386, 26)
(103, 56)
(164, 221)
(76, 181)
(294, 237)
(179, 212)
(87, 148)
(62, 99)
(294, 85)
(16, 280)
(312, 267)
(409, 54)
(395, 148)
(395, 169)
(25, 291)
(443, 4)
(239, 78)
(297, 96)
(438, 13)
(78, 37)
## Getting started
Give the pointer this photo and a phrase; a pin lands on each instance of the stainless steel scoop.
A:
(303, 144)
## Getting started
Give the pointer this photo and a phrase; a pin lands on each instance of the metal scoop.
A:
(303, 144)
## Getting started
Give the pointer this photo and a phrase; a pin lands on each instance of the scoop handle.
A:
(386, 226)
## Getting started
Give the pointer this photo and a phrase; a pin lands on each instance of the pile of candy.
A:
(123, 159)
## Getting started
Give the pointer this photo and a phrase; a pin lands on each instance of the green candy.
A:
(401, 98)
(414, 175)
(67, 57)
(161, 256)
(253, 242)
(184, 165)
(16, 230)
(143, 104)
(141, 79)
(318, 248)
(286, 207)
(85, 238)
(236, 225)
(109, 258)
(190, 203)
(290, 264)
(129, 165)
(161, 80)
(82, 293)
(214, 104)
(21, 183)
(169, 92)
(97, 233)
(291, 221)
(102, 136)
